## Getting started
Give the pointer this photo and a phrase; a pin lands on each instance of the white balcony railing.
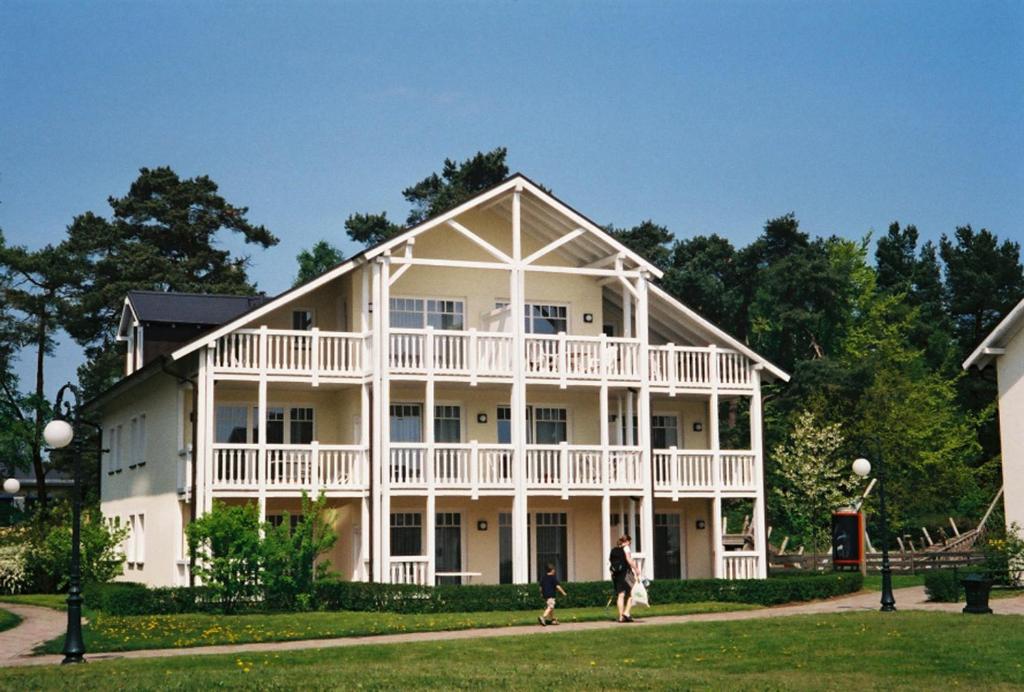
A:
(740, 564)
(410, 569)
(291, 352)
(582, 357)
(581, 467)
(682, 470)
(468, 466)
(448, 352)
(290, 467)
(690, 366)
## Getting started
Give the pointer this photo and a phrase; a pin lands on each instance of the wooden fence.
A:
(901, 562)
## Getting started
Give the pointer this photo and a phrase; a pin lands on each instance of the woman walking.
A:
(624, 574)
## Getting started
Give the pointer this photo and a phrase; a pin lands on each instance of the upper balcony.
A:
(473, 356)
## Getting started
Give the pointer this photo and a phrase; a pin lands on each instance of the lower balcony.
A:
(680, 471)
(475, 467)
(312, 467)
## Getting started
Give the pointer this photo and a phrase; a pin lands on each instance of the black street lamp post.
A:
(58, 434)
(862, 467)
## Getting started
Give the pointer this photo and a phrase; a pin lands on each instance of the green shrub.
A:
(1004, 555)
(291, 568)
(226, 547)
(942, 586)
(134, 599)
(48, 555)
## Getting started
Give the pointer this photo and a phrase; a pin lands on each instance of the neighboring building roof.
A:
(995, 343)
(191, 308)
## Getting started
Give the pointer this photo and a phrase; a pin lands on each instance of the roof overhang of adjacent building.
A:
(994, 344)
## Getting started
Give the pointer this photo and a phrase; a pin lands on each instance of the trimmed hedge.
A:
(137, 599)
(942, 586)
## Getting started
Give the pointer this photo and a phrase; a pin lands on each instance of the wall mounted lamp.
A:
(481, 418)
(481, 525)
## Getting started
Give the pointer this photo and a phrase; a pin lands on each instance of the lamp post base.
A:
(77, 658)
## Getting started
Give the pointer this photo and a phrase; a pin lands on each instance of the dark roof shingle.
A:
(191, 308)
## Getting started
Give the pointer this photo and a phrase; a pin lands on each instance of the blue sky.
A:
(706, 117)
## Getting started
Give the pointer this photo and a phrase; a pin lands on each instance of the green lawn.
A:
(873, 582)
(895, 651)
(8, 620)
(46, 600)
(111, 633)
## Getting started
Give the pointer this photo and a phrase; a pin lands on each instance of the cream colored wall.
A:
(336, 409)
(149, 490)
(688, 411)
(1010, 371)
(330, 305)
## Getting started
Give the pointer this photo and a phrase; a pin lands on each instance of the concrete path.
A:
(906, 599)
(37, 625)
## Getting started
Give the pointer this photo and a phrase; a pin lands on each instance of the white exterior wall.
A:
(150, 490)
(1010, 369)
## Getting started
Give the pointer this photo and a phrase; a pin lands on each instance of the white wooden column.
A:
(428, 457)
(261, 425)
(517, 298)
(644, 428)
(716, 469)
(380, 524)
(757, 447)
(383, 311)
(364, 538)
(209, 406)
(203, 452)
(606, 536)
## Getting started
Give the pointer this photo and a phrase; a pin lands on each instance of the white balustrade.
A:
(581, 467)
(734, 370)
(690, 366)
(343, 467)
(740, 564)
(624, 467)
(581, 357)
(235, 466)
(407, 468)
(410, 569)
(739, 470)
(290, 352)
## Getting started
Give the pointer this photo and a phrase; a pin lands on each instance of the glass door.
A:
(552, 544)
(668, 546)
(448, 546)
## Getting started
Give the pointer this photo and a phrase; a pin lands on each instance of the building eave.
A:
(992, 346)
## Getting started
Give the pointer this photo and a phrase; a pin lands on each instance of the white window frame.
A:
(425, 313)
(461, 419)
(503, 303)
(679, 426)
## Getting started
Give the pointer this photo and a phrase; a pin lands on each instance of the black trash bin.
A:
(977, 588)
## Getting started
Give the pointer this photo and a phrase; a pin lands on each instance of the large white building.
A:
(390, 382)
(1004, 348)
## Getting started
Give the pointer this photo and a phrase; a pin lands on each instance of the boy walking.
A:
(549, 588)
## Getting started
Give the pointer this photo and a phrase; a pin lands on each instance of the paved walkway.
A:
(912, 598)
(37, 625)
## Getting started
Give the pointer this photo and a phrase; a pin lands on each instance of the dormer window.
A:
(302, 320)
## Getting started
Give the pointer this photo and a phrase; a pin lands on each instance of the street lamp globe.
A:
(58, 434)
(12, 486)
(862, 467)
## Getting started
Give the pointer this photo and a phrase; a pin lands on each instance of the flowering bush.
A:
(13, 575)
(1004, 556)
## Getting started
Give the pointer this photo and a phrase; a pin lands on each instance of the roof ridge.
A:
(202, 295)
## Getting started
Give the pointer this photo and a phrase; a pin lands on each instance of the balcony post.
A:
(563, 468)
(205, 450)
(757, 446)
(431, 531)
(716, 466)
(261, 425)
(383, 313)
(673, 369)
(378, 567)
(473, 355)
(517, 291)
(674, 462)
(474, 469)
(563, 360)
(644, 427)
(314, 468)
(314, 356)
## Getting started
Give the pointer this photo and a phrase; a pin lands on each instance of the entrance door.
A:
(505, 548)
(448, 546)
(668, 546)
(552, 544)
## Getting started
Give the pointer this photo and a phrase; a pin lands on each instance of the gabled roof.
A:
(514, 182)
(189, 308)
(993, 344)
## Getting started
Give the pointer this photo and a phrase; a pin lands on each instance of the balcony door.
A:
(406, 423)
(664, 431)
(545, 425)
(668, 546)
(448, 546)
(552, 541)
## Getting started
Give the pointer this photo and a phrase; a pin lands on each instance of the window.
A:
(135, 541)
(546, 319)
(301, 426)
(542, 319)
(137, 441)
(448, 545)
(447, 424)
(230, 424)
(504, 547)
(275, 425)
(664, 432)
(552, 544)
(504, 422)
(667, 546)
(278, 520)
(110, 443)
(406, 423)
(302, 320)
(551, 425)
(119, 448)
(406, 533)
(417, 313)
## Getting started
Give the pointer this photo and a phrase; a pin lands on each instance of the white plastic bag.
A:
(639, 594)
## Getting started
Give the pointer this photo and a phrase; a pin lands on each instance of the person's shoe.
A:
(554, 622)
(543, 622)
(627, 618)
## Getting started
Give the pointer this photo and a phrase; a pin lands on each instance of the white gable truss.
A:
(565, 231)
